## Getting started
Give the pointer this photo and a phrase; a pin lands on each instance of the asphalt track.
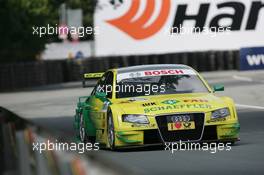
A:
(245, 157)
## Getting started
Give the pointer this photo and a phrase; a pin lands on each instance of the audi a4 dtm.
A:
(154, 104)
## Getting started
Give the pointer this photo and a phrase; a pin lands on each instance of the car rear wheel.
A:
(82, 134)
(110, 131)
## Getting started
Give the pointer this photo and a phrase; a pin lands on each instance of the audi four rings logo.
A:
(180, 118)
(136, 28)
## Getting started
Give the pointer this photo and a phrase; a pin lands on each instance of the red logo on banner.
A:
(136, 28)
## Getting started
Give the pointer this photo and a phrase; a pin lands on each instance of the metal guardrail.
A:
(17, 155)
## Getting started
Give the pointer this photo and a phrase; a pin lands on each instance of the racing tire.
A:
(82, 133)
(110, 131)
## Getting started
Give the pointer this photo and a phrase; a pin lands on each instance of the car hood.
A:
(163, 104)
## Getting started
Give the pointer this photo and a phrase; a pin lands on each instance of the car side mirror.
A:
(100, 94)
(218, 87)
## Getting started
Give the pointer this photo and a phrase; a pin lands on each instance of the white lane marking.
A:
(249, 106)
(242, 78)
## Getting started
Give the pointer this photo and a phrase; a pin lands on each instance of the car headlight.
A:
(131, 118)
(220, 113)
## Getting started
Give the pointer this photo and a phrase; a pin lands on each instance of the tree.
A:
(17, 19)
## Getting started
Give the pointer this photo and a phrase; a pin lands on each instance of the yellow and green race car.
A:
(154, 104)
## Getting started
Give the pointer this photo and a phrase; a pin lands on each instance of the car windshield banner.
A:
(149, 73)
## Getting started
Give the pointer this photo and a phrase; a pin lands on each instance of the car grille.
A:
(209, 133)
(152, 136)
(183, 135)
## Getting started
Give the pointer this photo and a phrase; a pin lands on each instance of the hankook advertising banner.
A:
(133, 27)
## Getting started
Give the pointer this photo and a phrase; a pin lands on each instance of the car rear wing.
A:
(91, 76)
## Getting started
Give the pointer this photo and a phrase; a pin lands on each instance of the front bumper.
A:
(222, 132)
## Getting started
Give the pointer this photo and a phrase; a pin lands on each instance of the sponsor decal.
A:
(134, 74)
(252, 58)
(216, 120)
(181, 126)
(149, 104)
(195, 100)
(137, 99)
(93, 75)
(148, 73)
(180, 122)
(164, 72)
(161, 26)
(137, 28)
(177, 125)
(143, 125)
(170, 102)
(187, 124)
(173, 107)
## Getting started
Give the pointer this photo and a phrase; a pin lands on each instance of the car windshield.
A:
(159, 85)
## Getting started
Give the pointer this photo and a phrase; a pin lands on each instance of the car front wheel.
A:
(110, 132)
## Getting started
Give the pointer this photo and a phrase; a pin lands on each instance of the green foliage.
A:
(17, 17)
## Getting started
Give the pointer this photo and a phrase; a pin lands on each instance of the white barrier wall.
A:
(137, 27)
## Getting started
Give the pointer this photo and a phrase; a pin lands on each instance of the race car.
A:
(154, 104)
